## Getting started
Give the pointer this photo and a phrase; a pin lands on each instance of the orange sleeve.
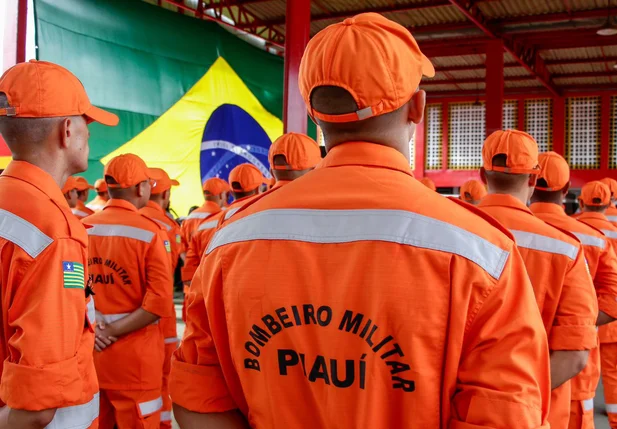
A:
(196, 363)
(191, 262)
(503, 377)
(47, 317)
(159, 289)
(605, 281)
(574, 327)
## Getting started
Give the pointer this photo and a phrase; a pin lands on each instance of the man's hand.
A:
(103, 335)
(21, 419)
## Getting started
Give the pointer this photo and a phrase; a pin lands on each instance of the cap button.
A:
(349, 21)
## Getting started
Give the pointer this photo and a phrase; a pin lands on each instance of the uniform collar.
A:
(210, 206)
(504, 200)
(120, 204)
(81, 206)
(548, 208)
(280, 183)
(38, 178)
(592, 215)
(155, 206)
(365, 154)
(240, 201)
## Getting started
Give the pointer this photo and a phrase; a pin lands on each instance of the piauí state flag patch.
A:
(73, 273)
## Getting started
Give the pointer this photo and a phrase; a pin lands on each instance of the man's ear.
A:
(140, 189)
(64, 129)
(533, 179)
(566, 189)
(483, 175)
(416, 107)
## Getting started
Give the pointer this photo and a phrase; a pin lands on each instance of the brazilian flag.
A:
(192, 98)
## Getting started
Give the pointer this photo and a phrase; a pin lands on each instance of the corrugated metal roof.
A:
(434, 23)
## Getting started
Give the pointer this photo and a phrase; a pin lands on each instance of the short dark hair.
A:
(29, 130)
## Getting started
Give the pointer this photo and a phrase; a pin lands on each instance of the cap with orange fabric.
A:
(127, 170)
(162, 180)
(595, 193)
(555, 171)
(300, 151)
(82, 184)
(519, 147)
(428, 183)
(247, 176)
(385, 86)
(70, 184)
(472, 190)
(612, 185)
(40, 89)
(100, 185)
(216, 186)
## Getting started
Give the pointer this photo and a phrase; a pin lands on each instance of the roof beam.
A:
(580, 61)
(427, 4)
(524, 55)
(447, 69)
(552, 17)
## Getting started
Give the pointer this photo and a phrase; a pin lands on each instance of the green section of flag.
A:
(74, 275)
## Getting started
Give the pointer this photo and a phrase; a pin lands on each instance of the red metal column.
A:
(22, 23)
(297, 33)
(445, 134)
(605, 131)
(494, 86)
(559, 125)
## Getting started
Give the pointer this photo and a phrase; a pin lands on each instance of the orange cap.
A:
(519, 147)
(595, 194)
(162, 179)
(38, 89)
(555, 171)
(82, 184)
(376, 60)
(216, 186)
(69, 185)
(100, 185)
(127, 170)
(612, 185)
(428, 183)
(248, 176)
(300, 151)
(473, 190)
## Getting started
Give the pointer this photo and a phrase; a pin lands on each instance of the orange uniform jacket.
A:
(611, 214)
(47, 338)
(561, 281)
(97, 204)
(602, 262)
(340, 309)
(202, 236)
(607, 333)
(174, 238)
(81, 211)
(192, 221)
(130, 268)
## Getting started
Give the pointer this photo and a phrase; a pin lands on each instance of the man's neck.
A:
(51, 163)
(521, 196)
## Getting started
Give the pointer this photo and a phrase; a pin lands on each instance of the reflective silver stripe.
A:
(167, 227)
(529, 240)
(111, 318)
(165, 416)
(171, 340)
(609, 233)
(151, 406)
(78, 212)
(346, 226)
(95, 207)
(121, 231)
(199, 215)
(588, 404)
(612, 218)
(208, 225)
(590, 240)
(231, 212)
(170, 216)
(91, 311)
(611, 408)
(77, 416)
(22, 233)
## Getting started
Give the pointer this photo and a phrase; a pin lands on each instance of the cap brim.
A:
(428, 69)
(175, 182)
(102, 116)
